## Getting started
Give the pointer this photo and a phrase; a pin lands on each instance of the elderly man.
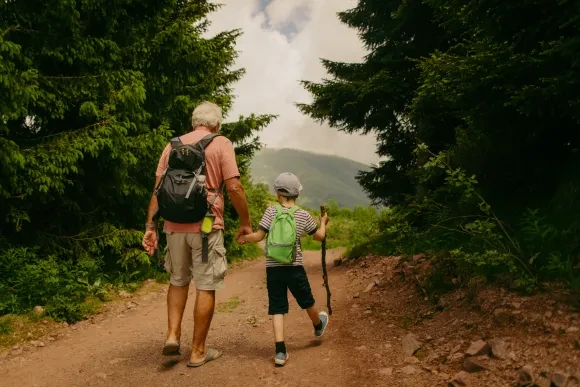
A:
(186, 258)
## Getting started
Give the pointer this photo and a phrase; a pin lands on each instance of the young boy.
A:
(283, 276)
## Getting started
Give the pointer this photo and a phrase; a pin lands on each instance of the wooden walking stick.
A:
(324, 273)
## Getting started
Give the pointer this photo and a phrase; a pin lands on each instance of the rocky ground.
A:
(481, 337)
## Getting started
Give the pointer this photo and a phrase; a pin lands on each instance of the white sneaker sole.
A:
(323, 329)
(281, 362)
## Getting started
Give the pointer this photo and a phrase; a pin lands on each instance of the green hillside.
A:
(324, 177)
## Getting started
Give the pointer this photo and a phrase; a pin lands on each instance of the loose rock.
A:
(556, 328)
(498, 349)
(38, 309)
(442, 304)
(410, 370)
(525, 376)
(572, 330)
(542, 382)
(472, 365)
(37, 343)
(370, 287)
(457, 356)
(386, 371)
(411, 344)
(411, 360)
(131, 305)
(574, 381)
(418, 257)
(453, 351)
(124, 294)
(461, 379)
(478, 348)
(558, 379)
(356, 295)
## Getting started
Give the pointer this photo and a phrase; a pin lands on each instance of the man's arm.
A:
(238, 197)
(153, 206)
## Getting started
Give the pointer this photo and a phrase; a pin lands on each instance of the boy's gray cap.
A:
(287, 184)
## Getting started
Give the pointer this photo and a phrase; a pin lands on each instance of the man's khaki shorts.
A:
(183, 260)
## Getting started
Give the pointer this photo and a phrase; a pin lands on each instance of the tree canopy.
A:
(91, 93)
(489, 87)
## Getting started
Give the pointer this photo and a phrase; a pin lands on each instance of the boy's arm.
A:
(263, 228)
(320, 234)
(255, 237)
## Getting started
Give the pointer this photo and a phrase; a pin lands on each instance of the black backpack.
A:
(180, 196)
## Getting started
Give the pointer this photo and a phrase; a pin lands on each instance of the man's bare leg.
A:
(176, 300)
(202, 316)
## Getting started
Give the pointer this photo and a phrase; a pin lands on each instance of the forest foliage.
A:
(475, 107)
(91, 93)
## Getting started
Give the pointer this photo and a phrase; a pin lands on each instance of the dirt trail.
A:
(125, 350)
(377, 305)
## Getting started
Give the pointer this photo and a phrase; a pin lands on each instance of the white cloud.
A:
(281, 45)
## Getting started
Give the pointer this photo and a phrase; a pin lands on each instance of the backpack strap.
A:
(293, 210)
(175, 142)
(204, 142)
(278, 209)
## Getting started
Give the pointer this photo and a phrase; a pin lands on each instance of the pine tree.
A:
(376, 96)
(90, 94)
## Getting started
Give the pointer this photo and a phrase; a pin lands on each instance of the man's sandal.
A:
(211, 354)
(171, 349)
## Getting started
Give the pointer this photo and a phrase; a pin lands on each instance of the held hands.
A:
(242, 240)
(242, 232)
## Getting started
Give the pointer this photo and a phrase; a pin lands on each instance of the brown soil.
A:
(362, 346)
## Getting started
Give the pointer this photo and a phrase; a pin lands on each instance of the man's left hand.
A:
(150, 241)
(244, 230)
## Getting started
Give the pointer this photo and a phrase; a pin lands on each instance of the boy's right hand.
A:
(324, 219)
(242, 240)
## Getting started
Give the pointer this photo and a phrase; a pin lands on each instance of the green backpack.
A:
(281, 242)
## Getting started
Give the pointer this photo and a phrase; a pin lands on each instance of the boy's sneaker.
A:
(281, 358)
(324, 319)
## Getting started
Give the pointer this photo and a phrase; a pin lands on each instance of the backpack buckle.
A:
(180, 180)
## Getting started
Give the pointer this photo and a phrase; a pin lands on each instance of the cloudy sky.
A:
(282, 43)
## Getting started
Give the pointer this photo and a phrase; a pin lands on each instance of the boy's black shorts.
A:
(281, 278)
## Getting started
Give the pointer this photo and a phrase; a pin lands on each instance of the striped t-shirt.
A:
(304, 225)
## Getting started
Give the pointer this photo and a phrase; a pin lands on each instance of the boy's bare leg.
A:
(319, 320)
(314, 315)
(278, 322)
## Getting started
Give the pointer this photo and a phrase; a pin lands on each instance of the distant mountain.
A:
(323, 177)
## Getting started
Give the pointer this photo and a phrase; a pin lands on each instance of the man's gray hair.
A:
(207, 114)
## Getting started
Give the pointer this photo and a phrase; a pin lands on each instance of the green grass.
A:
(337, 235)
(18, 328)
(229, 305)
(249, 252)
(6, 325)
(162, 277)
